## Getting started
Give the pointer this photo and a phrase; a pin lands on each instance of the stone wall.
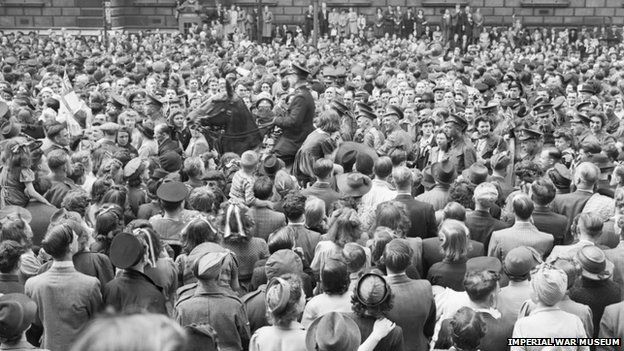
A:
(152, 14)
(86, 14)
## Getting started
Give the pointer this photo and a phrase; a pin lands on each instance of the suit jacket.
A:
(296, 123)
(324, 192)
(616, 256)
(169, 145)
(547, 221)
(520, 234)
(481, 225)
(422, 217)
(266, 221)
(415, 316)
(567, 250)
(597, 294)
(570, 205)
(438, 197)
(432, 253)
(612, 324)
(66, 301)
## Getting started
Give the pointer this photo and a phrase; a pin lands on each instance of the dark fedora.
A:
(271, 164)
(477, 173)
(443, 172)
(353, 184)
(333, 331)
(17, 312)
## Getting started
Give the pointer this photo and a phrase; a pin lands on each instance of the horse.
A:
(228, 123)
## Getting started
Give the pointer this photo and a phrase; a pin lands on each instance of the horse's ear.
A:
(228, 88)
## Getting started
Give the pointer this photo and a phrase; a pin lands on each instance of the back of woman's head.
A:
(344, 227)
(198, 231)
(100, 187)
(334, 277)
(10, 253)
(76, 201)
(236, 222)
(115, 195)
(136, 332)
(15, 228)
(314, 212)
(57, 240)
(381, 237)
(468, 327)
(454, 236)
(109, 219)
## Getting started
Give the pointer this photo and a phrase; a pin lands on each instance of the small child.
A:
(244, 179)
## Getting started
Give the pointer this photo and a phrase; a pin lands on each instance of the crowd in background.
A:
(191, 191)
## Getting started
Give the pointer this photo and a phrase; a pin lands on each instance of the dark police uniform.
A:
(296, 124)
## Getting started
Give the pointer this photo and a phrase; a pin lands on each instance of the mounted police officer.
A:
(296, 121)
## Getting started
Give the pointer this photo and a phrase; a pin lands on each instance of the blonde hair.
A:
(139, 332)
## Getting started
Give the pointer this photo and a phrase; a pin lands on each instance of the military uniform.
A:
(462, 153)
(296, 124)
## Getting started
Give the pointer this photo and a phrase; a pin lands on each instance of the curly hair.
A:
(77, 201)
(528, 171)
(10, 253)
(462, 192)
(202, 199)
(100, 187)
(293, 308)
(392, 214)
(344, 227)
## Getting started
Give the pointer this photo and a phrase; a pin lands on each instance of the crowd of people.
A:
(189, 192)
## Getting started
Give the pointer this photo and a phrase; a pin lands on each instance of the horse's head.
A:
(215, 110)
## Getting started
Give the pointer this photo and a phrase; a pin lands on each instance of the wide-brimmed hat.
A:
(353, 184)
(333, 331)
(271, 164)
(594, 263)
(17, 312)
(443, 172)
